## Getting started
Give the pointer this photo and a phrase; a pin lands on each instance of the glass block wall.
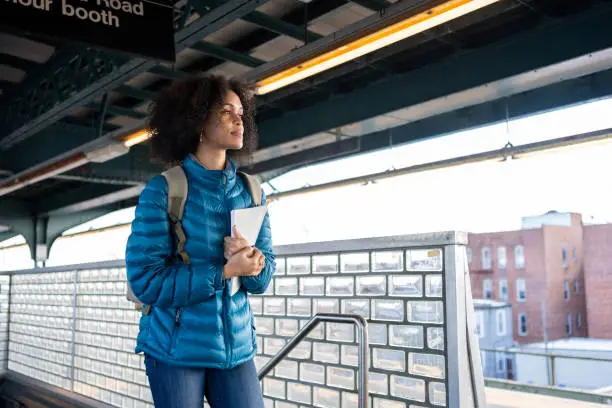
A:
(397, 287)
(40, 326)
(5, 282)
(73, 328)
(85, 343)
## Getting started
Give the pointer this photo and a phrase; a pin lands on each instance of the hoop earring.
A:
(201, 136)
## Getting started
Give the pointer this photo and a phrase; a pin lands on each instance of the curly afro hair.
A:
(178, 113)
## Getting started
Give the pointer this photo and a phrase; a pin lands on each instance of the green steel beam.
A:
(63, 199)
(279, 26)
(169, 73)
(6, 85)
(265, 21)
(16, 62)
(118, 111)
(580, 35)
(57, 224)
(44, 229)
(375, 5)
(67, 71)
(17, 215)
(305, 157)
(137, 93)
(56, 139)
(227, 54)
(135, 167)
(544, 99)
(7, 235)
(13, 209)
(117, 197)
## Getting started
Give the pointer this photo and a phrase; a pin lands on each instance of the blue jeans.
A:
(181, 387)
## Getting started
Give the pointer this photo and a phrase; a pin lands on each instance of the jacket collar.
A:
(193, 167)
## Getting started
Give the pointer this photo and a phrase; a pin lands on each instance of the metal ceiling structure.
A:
(61, 100)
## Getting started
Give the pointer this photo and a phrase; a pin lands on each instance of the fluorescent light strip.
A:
(136, 138)
(411, 26)
(15, 183)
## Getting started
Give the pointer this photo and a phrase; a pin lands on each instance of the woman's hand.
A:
(234, 245)
(247, 262)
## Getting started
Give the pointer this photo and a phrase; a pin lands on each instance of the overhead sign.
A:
(137, 27)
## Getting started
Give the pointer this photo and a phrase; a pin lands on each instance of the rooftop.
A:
(489, 304)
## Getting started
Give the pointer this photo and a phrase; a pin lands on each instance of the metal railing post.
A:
(363, 356)
(553, 382)
(74, 328)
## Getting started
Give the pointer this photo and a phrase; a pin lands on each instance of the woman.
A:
(197, 338)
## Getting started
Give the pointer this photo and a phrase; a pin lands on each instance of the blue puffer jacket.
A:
(193, 319)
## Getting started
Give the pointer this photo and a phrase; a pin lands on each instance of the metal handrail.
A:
(550, 391)
(528, 352)
(551, 359)
(363, 346)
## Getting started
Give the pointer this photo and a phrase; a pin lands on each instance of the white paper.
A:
(248, 221)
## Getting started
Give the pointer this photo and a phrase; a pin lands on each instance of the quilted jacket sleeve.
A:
(156, 277)
(259, 284)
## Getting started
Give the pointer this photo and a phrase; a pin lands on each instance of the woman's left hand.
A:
(235, 244)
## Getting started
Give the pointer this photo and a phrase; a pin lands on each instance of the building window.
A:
(501, 258)
(486, 258)
(480, 328)
(576, 287)
(564, 257)
(521, 290)
(574, 257)
(566, 290)
(469, 255)
(500, 316)
(522, 324)
(519, 257)
(487, 289)
(578, 320)
(568, 324)
(503, 289)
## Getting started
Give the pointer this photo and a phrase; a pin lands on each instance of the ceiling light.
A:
(408, 27)
(136, 138)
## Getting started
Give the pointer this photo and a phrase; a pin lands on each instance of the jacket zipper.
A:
(175, 329)
(228, 351)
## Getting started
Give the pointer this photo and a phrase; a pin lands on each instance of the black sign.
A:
(137, 27)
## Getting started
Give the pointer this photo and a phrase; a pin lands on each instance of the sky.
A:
(482, 197)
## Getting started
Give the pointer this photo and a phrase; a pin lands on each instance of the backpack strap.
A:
(177, 196)
(254, 187)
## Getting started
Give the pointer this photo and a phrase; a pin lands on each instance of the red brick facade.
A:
(598, 279)
(544, 274)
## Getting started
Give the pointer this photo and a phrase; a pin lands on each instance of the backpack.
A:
(177, 195)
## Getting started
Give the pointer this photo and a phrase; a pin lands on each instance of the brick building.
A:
(598, 279)
(539, 270)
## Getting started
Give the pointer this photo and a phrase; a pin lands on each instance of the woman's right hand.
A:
(247, 262)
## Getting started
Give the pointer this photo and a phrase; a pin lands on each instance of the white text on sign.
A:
(104, 16)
